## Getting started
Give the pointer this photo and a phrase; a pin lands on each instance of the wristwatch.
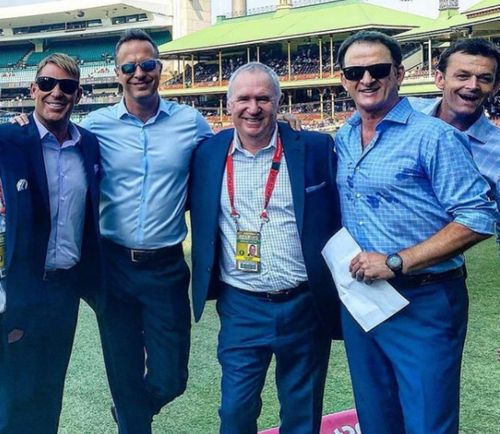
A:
(395, 263)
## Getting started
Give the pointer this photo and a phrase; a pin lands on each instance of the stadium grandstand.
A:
(299, 39)
(88, 33)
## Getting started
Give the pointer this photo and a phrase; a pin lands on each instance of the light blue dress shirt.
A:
(282, 263)
(412, 179)
(145, 172)
(67, 184)
(484, 142)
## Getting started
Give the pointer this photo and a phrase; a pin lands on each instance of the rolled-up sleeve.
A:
(457, 183)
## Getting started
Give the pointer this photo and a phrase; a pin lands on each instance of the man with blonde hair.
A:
(49, 173)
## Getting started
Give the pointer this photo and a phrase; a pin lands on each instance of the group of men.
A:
(263, 199)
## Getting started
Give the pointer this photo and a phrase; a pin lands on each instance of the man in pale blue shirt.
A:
(412, 198)
(468, 73)
(60, 262)
(146, 146)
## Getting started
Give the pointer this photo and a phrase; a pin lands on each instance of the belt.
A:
(58, 274)
(414, 281)
(277, 296)
(142, 256)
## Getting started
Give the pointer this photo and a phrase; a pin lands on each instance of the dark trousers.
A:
(145, 333)
(37, 332)
(252, 331)
(406, 371)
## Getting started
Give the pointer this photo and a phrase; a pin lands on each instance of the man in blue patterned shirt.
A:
(413, 199)
(468, 73)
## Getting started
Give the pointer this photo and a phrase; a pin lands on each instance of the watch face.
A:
(394, 261)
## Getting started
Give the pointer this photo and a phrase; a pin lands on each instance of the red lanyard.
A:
(270, 184)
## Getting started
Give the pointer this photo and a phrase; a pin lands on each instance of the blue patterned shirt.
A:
(412, 179)
(145, 172)
(484, 142)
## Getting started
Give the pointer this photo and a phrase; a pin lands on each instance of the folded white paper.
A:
(369, 305)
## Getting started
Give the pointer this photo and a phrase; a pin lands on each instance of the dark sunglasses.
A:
(67, 85)
(146, 66)
(377, 71)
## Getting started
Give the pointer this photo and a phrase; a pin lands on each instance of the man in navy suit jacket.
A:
(49, 172)
(281, 300)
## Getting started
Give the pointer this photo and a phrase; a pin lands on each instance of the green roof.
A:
(451, 25)
(485, 4)
(326, 18)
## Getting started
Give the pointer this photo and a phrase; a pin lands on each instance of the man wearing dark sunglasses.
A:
(53, 261)
(413, 200)
(146, 146)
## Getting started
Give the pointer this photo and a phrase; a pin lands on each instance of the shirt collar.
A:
(398, 114)
(44, 132)
(237, 142)
(476, 130)
(164, 107)
(432, 109)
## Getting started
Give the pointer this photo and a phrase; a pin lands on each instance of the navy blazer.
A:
(28, 215)
(311, 165)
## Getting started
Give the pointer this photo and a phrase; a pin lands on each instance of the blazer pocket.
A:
(313, 188)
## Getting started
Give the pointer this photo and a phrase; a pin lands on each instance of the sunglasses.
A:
(377, 71)
(67, 85)
(146, 66)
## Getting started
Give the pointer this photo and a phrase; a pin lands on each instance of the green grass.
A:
(87, 400)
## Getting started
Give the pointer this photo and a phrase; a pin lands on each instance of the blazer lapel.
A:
(215, 169)
(294, 149)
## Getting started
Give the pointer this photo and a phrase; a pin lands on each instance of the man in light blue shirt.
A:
(411, 196)
(468, 73)
(146, 146)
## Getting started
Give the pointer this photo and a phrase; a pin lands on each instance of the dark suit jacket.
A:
(311, 164)
(28, 212)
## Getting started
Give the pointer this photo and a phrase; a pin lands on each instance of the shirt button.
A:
(361, 223)
(358, 195)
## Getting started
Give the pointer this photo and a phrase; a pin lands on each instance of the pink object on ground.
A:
(343, 422)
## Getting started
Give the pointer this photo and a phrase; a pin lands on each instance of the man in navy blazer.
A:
(277, 297)
(49, 172)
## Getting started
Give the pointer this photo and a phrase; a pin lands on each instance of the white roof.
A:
(73, 10)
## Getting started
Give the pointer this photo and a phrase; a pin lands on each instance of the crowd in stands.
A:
(304, 64)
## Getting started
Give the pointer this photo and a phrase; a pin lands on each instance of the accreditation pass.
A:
(248, 251)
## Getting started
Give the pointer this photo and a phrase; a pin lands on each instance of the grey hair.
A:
(251, 67)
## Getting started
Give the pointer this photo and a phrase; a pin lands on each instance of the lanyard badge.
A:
(248, 243)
